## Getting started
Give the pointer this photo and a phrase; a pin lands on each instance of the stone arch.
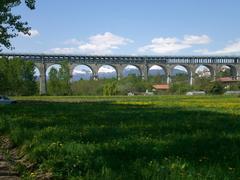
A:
(228, 71)
(181, 72)
(204, 70)
(158, 70)
(135, 70)
(107, 71)
(50, 66)
(81, 72)
(37, 73)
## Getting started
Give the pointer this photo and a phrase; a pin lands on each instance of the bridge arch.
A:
(37, 73)
(81, 72)
(107, 71)
(131, 69)
(50, 66)
(158, 70)
(182, 73)
(228, 71)
(204, 70)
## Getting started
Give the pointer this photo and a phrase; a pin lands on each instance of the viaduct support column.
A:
(119, 69)
(168, 73)
(144, 72)
(191, 78)
(43, 79)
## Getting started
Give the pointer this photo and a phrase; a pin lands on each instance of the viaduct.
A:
(143, 63)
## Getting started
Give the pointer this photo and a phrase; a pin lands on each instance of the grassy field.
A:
(168, 137)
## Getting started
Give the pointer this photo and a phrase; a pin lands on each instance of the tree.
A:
(10, 24)
(59, 81)
(53, 82)
(17, 77)
(216, 88)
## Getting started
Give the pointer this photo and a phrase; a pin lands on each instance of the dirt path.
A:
(7, 171)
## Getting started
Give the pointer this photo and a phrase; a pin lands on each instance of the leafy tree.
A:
(10, 24)
(53, 82)
(216, 88)
(110, 89)
(17, 77)
(59, 81)
(202, 83)
(64, 77)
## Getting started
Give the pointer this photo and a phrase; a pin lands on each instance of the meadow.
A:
(158, 137)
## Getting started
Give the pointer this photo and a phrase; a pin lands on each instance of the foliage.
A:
(10, 24)
(168, 137)
(17, 77)
(202, 83)
(110, 89)
(216, 88)
(59, 81)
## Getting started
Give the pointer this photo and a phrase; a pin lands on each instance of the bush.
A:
(216, 88)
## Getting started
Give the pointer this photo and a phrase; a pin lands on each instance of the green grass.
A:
(168, 137)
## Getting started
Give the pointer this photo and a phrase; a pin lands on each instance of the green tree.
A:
(65, 77)
(216, 88)
(110, 89)
(17, 77)
(59, 81)
(10, 24)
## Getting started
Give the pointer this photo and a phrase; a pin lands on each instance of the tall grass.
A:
(128, 137)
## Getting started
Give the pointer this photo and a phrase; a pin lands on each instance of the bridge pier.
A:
(43, 79)
(191, 78)
(144, 72)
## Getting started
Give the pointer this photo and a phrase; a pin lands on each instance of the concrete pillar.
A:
(144, 72)
(238, 72)
(119, 69)
(169, 79)
(191, 78)
(168, 70)
(94, 68)
(43, 79)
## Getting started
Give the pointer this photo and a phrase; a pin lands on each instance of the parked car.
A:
(192, 93)
(6, 100)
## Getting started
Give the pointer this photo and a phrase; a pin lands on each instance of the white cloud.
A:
(201, 51)
(33, 33)
(106, 69)
(172, 45)
(73, 41)
(97, 44)
(64, 50)
(230, 49)
(164, 46)
(103, 43)
(193, 39)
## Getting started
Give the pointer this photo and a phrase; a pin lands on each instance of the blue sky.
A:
(132, 27)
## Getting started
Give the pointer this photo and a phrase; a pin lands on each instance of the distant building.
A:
(227, 80)
(161, 87)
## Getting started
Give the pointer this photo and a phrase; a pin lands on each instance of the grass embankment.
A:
(170, 137)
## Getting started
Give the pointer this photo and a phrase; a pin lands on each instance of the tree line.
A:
(17, 77)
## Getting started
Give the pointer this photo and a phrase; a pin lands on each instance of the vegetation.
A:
(10, 24)
(17, 77)
(59, 81)
(169, 137)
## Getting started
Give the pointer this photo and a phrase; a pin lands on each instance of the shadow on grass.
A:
(121, 135)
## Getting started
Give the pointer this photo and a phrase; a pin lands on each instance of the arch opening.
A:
(180, 74)
(157, 74)
(131, 70)
(56, 67)
(228, 71)
(36, 74)
(82, 72)
(107, 72)
(203, 71)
